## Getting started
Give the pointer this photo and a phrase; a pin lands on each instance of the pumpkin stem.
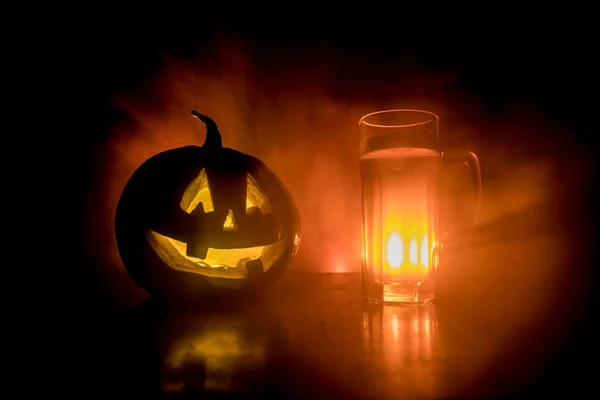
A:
(213, 136)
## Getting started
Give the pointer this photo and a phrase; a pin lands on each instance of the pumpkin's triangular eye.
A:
(229, 224)
(197, 192)
(256, 197)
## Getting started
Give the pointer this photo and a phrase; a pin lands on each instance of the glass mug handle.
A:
(472, 162)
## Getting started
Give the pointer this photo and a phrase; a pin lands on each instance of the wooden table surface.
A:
(312, 336)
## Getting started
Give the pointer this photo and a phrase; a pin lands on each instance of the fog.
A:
(299, 115)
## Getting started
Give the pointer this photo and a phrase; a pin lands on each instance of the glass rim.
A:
(362, 120)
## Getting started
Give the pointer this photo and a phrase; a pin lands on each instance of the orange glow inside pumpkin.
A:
(199, 192)
(228, 263)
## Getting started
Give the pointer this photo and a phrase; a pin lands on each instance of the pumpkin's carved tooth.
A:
(197, 252)
(254, 268)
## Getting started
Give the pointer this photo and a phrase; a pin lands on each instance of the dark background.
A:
(535, 58)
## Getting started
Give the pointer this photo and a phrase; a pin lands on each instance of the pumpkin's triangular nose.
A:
(229, 224)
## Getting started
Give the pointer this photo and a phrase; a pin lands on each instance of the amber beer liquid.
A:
(399, 201)
(400, 166)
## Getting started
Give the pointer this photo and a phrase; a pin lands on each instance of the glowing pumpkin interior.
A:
(229, 263)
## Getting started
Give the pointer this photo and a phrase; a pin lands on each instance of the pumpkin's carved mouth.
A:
(225, 263)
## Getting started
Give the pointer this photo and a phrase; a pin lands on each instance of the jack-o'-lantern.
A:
(205, 220)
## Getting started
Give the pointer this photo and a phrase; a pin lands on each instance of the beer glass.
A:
(400, 167)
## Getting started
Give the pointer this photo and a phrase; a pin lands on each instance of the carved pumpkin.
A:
(207, 220)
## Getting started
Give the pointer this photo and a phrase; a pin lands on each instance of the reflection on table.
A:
(314, 337)
(403, 344)
(220, 350)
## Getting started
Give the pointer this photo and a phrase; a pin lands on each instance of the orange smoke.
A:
(300, 119)
(288, 116)
(298, 116)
